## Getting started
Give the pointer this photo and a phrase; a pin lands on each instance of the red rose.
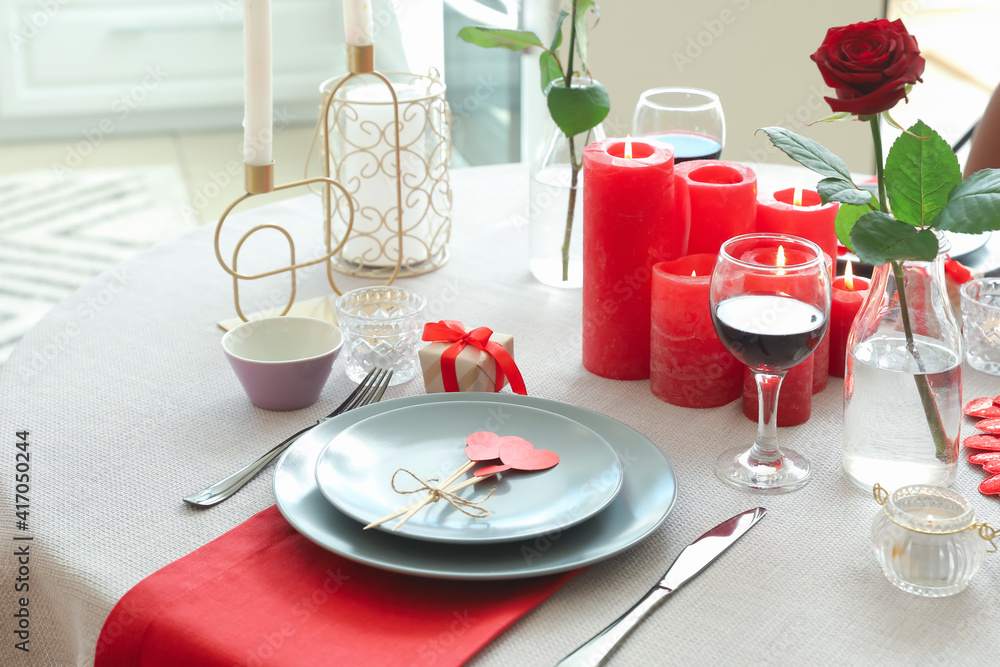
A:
(869, 65)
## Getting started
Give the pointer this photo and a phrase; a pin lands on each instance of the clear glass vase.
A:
(903, 382)
(555, 206)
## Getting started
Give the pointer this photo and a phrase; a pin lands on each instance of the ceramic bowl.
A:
(283, 362)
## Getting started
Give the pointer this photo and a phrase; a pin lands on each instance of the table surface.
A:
(130, 404)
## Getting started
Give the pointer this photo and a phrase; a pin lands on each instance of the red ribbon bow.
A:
(453, 331)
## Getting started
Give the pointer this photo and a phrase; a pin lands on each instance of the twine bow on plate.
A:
(468, 507)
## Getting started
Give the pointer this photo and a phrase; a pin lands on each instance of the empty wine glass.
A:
(770, 304)
(689, 120)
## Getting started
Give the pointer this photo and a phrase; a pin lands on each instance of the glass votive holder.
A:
(981, 324)
(382, 328)
(927, 539)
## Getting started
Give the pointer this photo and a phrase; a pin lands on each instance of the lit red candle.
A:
(717, 200)
(689, 366)
(795, 397)
(849, 292)
(800, 212)
(628, 226)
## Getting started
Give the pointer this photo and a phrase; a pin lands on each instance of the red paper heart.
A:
(982, 407)
(520, 454)
(982, 441)
(990, 486)
(979, 458)
(989, 426)
(486, 471)
(483, 446)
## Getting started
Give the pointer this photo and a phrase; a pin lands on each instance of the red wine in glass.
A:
(689, 145)
(768, 332)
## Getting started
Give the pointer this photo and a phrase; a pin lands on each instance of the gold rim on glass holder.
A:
(986, 532)
(431, 251)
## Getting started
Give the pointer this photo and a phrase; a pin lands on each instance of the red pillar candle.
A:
(795, 396)
(628, 226)
(717, 200)
(849, 293)
(801, 213)
(689, 366)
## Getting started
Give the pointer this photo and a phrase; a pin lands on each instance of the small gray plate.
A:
(646, 498)
(355, 469)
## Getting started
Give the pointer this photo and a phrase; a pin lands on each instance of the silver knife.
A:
(693, 559)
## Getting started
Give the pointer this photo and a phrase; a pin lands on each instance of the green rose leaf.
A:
(557, 35)
(515, 40)
(974, 205)
(919, 174)
(808, 153)
(550, 69)
(847, 215)
(582, 40)
(879, 238)
(579, 108)
(844, 192)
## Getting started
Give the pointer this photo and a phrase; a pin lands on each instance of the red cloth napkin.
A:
(264, 595)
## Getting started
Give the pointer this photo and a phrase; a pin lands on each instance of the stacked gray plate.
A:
(611, 488)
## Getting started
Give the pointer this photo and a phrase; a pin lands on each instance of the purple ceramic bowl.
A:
(283, 362)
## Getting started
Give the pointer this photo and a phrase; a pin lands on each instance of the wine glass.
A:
(689, 120)
(770, 304)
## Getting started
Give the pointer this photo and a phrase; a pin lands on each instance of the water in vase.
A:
(548, 205)
(878, 392)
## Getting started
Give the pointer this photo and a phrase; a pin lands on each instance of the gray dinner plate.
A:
(356, 470)
(648, 492)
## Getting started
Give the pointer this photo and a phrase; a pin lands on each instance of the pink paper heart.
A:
(520, 454)
(482, 446)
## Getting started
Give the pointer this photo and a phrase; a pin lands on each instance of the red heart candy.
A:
(992, 467)
(990, 486)
(483, 446)
(982, 407)
(520, 454)
(990, 442)
(486, 471)
(979, 458)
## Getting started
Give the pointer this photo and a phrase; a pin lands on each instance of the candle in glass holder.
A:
(628, 226)
(849, 292)
(689, 366)
(717, 200)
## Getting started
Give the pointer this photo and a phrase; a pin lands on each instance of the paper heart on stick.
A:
(483, 446)
(519, 454)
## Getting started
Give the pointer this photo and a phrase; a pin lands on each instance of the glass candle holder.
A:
(927, 539)
(382, 327)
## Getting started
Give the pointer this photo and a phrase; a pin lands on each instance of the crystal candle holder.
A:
(927, 540)
(382, 328)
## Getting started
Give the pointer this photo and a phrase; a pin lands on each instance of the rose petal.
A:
(980, 458)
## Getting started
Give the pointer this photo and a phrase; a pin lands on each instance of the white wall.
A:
(753, 53)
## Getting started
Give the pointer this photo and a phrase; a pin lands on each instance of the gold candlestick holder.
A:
(259, 180)
(386, 137)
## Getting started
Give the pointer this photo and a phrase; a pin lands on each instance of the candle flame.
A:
(628, 147)
(849, 277)
(780, 261)
(797, 197)
(694, 275)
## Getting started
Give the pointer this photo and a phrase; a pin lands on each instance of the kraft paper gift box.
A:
(475, 369)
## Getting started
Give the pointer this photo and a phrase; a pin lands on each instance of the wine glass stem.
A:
(765, 447)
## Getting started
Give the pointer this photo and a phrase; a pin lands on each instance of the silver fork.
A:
(369, 391)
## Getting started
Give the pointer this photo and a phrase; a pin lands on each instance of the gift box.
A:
(460, 360)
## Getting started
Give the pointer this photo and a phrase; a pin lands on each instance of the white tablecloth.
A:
(130, 404)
